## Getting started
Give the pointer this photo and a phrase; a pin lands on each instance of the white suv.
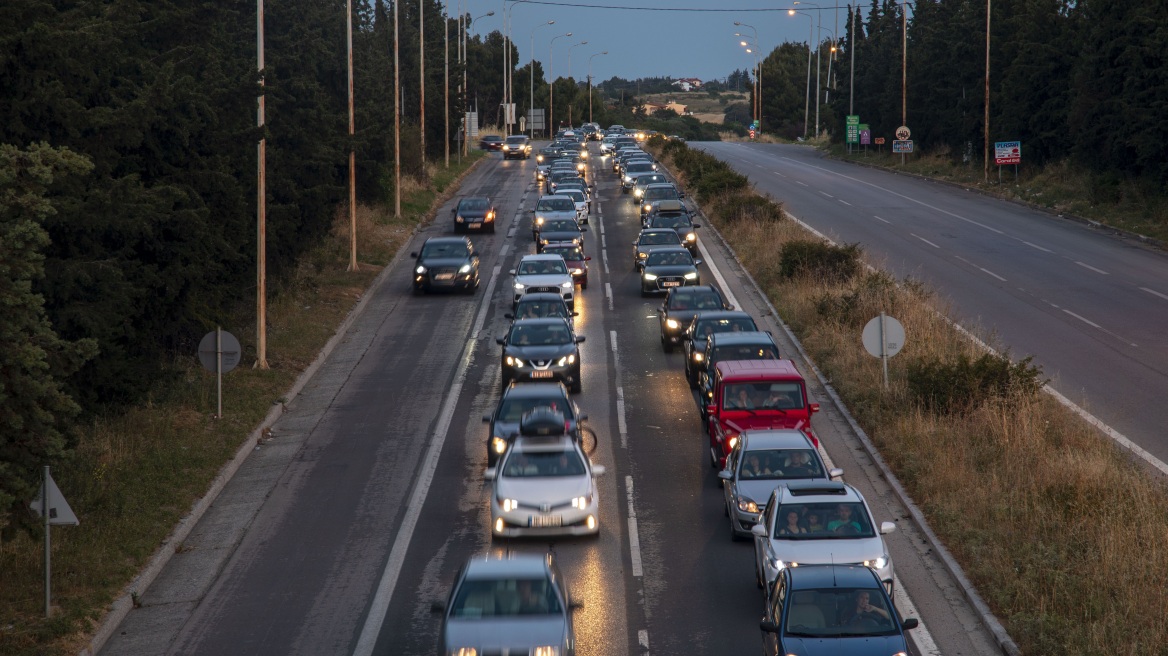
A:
(544, 273)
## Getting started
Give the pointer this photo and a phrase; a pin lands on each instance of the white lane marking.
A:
(826, 194)
(643, 641)
(604, 256)
(1088, 266)
(1155, 293)
(1045, 250)
(1083, 319)
(780, 174)
(401, 543)
(603, 244)
(608, 294)
(599, 210)
(622, 425)
(880, 219)
(844, 202)
(503, 250)
(634, 539)
(718, 276)
(924, 240)
(801, 182)
(982, 269)
(926, 646)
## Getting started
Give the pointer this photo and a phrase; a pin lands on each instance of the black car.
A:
(757, 345)
(474, 213)
(491, 142)
(517, 146)
(650, 239)
(657, 192)
(517, 400)
(559, 230)
(537, 305)
(821, 610)
(669, 267)
(705, 324)
(541, 350)
(446, 263)
(678, 220)
(679, 309)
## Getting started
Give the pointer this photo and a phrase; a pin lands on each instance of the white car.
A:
(543, 273)
(580, 199)
(544, 484)
(819, 523)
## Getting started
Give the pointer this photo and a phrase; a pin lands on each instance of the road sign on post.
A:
(865, 135)
(1007, 152)
(219, 352)
(853, 128)
(903, 133)
(883, 337)
(902, 146)
(51, 507)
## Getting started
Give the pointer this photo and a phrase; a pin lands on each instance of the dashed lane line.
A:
(924, 240)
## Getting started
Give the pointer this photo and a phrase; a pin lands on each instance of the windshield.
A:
(822, 521)
(778, 464)
(660, 193)
(707, 327)
(473, 204)
(646, 180)
(505, 598)
(668, 258)
(556, 205)
(517, 140)
(443, 251)
(512, 410)
(672, 221)
(690, 300)
(745, 352)
(559, 225)
(638, 167)
(537, 309)
(658, 238)
(542, 334)
(573, 254)
(575, 194)
(529, 464)
(837, 612)
(542, 267)
(759, 396)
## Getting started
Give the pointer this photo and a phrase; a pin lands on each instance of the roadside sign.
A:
(903, 133)
(883, 337)
(865, 135)
(59, 512)
(209, 353)
(853, 128)
(902, 146)
(879, 141)
(1007, 152)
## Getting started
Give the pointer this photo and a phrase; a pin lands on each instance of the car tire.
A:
(584, 285)
(734, 535)
(644, 292)
(666, 345)
(577, 384)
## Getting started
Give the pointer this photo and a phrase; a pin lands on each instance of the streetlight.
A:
(531, 111)
(507, 65)
(465, 91)
(552, 81)
(818, 50)
(827, 91)
(758, 73)
(810, 38)
(582, 43)
(590, 82)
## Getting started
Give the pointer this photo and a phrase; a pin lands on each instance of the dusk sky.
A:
(653, 38)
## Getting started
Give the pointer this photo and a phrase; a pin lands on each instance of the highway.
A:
(339, 531)
(1090, 307)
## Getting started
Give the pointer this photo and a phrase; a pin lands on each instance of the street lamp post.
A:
(422, 77)
(465, 91)
(827, 91)
(552, 82)
(582, 43)
(810, 38)
(818, 21)
(757, 75)
(590, 82)
(531, 100)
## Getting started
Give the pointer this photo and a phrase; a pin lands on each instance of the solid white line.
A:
(634, 538)
(925, 240)
(992, 274)
(780, 174)
(926, 646)
(608, 294)
(1080, 318)
(603, 244)
(880, 219)
(1046, 250)
(604, 256)
(1088, 266)
(1155, 293)
(718, 276)
(401, 543)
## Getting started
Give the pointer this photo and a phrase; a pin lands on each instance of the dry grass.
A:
(1063, 535)
(134, 475)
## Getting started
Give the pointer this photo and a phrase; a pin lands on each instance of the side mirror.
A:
(887, 527)
(835, 472)
(511, 271)
(758, 531)
(489, 474)
(697, 225)
(587, 258)
(413, 254)
(910, 624)
(814, 407)
(729, 306)
(697, 262)
(583, 228)
(583, 417)
(681, 195)
(454, 210)
(768, 626)
(440, 607)
(598, 470)
(575, 314)
(508, 315)
(579, 338)
(711, 409)
(500, 340)
(576, 604)
(726, 475)
(486, 419)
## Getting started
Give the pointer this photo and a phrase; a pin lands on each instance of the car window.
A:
(745, 352)
(659, 193)
(707, 327)
(779, 464)
(526, 464)
(537, 309)
(839, 612)
(473, 204)
(668, 258)
(780, 396)
(512, 410)
(638, 167)
(541, 267)
(823, 521)
(672, 221)
(445, 250)
(658, 238)
(575, 194)
(516, 140)
(556, 205)
(478, 598)
(569, 254)
(540, 334)
(559, 225)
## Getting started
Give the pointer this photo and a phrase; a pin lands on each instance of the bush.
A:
(718, 182)
(873, 293)
(820, 260)
(957, 387)
(738, 207)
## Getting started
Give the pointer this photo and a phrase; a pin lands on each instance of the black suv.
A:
(519, 399)
(757, 345)
(517, 146)
(446, 263)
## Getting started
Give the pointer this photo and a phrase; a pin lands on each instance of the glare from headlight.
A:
(691, 237)
(539, 158)
(650, 276)
(746, 505)
(638, 193)
(508, 504)
(464, 268)
(672, 323)
(698, 357)
(539, 220)
(420, 269)
(691, 276)
(498, 444)
(628, 178)
(566, 285)
(878, 563)
(518, 286)
(506, 147)
(567, 359)
(545, 650)
(498, 529)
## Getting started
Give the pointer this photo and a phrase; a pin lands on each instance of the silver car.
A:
(543, 273)
(818, 523)
(508, 604)
(760, 461)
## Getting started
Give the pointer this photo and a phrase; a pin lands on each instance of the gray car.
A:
(508, 604)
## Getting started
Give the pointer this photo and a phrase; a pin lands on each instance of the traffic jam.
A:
(820, 558)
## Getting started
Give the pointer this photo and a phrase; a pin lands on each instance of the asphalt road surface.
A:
(1089, 306)
(338, 532)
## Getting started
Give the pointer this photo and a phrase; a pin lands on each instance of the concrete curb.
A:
(1005, 642)
(124, 603)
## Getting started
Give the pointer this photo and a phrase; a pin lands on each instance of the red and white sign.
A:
(1007, 152)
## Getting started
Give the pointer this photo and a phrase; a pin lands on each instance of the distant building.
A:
(688, 84)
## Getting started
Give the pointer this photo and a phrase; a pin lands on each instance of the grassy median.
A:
(1062, 534)
(134, 475)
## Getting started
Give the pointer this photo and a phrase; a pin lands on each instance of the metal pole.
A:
(986, 156)
(903, 69)
(352, 148)
(422, 78)
(261, 207)
(396, 119)
(219, 372)
(818, 50)
(446, 80)
(531, 102)
(48, 544)
(884, 348)
(852, 68)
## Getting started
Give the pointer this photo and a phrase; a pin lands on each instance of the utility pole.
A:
(352, 148)
(422, 78)
(261, 206)
(396, 119)
(986, 155)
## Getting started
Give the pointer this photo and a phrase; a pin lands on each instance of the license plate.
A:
(542, 374)
(670, 283)
(474, 225)
(444, 276)
(546, 521)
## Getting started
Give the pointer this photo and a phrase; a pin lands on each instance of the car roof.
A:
(540, 321)
(496, 565)
(540, 257)
(775, 438)
(562, 244)
(746, 370)
(536, 443)
(816, 491)
(446, 240)
(806, 577)
(660, 185)
(743, 337)
(535, 390)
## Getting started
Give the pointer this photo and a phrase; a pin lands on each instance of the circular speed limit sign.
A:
(903, 133)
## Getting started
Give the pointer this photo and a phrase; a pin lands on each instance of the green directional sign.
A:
(853, 129)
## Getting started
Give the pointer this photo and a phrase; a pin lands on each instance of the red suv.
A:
(756, 394)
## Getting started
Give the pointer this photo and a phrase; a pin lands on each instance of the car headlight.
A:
(577, 272)
(458, 219)
(582, 502)
(514, 362)
(420, 269)
(692, 275)
(651, 276)
(566, 285)
(539, 220)
(498, 444)
(782, 564)
(463, 651)
(672, 324)
(544, 242)
(698, 357)
(691, 237)
(567, 359)
(731, 442)
(638, 193)
(628, 178)
(580, 166)
(642, 254)
(539, 158)
(546, 650)
(746, 505)
(519, 286)
(491, 215)
(506, 147)
(464, 268)
(508, 504)
(878, 563)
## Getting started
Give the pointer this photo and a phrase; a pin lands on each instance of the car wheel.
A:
(666, 344)
(503, 383)
(577, 384)
(644, 292)
(492, 228)
(734, 535)
(583, 285)
(693, 381)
